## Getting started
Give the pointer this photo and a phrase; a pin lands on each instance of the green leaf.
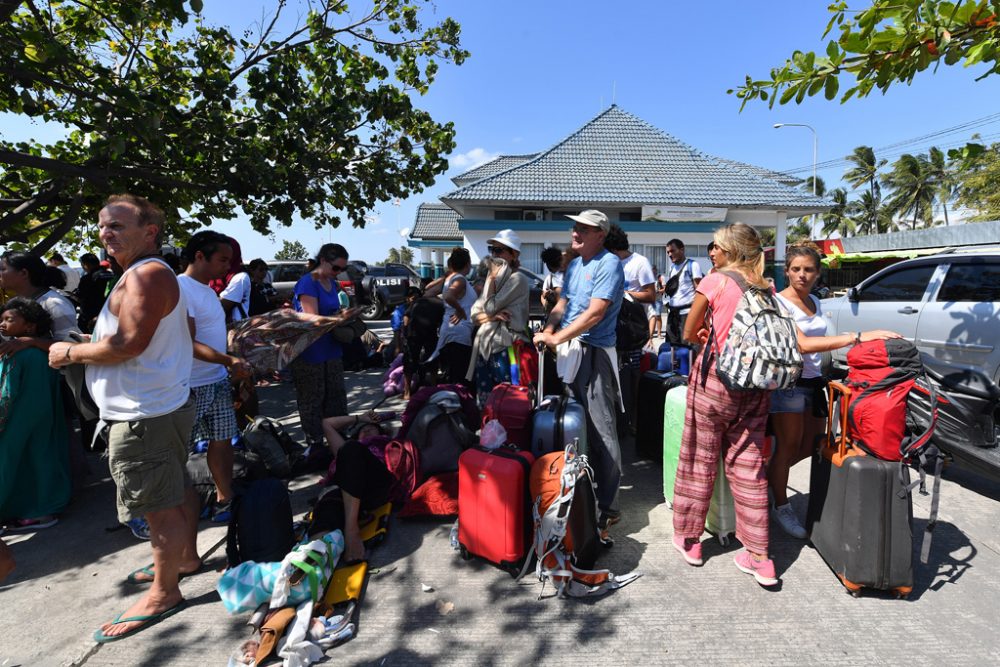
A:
(196, 6)
(832, 85)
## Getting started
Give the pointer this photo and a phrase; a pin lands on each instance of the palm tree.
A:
(940, 169)
(803, 228)
(837, 219)
(865, 172)
(913, 188)
(867, 217)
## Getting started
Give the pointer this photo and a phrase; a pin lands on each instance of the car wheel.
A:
(372, 311)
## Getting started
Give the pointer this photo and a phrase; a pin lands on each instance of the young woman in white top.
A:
(798, 415)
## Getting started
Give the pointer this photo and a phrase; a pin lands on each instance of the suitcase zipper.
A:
(883, 578)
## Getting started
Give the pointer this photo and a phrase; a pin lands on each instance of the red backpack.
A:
(881, 374)
(402, 459)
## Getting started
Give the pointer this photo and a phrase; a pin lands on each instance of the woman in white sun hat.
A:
(501, 313)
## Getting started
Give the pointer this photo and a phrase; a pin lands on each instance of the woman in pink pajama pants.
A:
(720, 422)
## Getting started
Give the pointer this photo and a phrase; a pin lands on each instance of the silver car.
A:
(947, 304)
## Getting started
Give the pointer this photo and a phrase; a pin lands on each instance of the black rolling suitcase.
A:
(860, 512)
(653, 388)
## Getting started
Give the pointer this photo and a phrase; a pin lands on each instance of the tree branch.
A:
(95, 174)
(7, 8)
(68, 221)
(31, 205)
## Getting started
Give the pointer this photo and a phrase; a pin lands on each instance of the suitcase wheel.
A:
(724, 540)
(854, 593)
(464, 552)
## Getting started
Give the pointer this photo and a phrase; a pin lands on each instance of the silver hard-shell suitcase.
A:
(557, 421)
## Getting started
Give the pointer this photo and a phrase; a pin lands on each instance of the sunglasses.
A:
(497, 249)
(336, 267)
(585, 229)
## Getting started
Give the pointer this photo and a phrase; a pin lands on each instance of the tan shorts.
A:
(148, 460)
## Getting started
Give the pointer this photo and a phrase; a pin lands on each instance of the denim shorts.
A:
(796, 399)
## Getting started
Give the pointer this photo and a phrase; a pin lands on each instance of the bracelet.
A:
(66, 357)
(857, 338)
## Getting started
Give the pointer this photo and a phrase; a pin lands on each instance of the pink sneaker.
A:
(762, 570)
(690, 550)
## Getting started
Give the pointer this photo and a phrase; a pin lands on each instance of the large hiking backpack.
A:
(438, 430)
(761, 350)
(567, 537)
(632, 329)
(260, 526)
(881, 374)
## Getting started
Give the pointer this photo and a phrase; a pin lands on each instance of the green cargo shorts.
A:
(148, 460)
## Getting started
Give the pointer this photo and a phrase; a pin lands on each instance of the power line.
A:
(909, 143)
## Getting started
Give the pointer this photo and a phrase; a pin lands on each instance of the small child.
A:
(34, 466)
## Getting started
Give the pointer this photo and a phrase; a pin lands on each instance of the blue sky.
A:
(539, 70)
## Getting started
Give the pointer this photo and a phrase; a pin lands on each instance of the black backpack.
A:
(632, 331)
(267, 439)
(260, 526)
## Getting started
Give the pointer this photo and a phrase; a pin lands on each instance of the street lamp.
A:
(815, 145)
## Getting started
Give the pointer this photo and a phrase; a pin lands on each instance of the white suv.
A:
(947, 304)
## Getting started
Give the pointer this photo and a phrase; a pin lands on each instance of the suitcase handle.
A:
(541, 373)
(839, 400)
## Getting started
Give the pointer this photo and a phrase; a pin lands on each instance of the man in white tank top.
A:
(138, 372)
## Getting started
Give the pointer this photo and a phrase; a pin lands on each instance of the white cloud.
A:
(473, 158)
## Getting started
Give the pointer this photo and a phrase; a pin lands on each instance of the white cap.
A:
(594, 218)
(509, 238)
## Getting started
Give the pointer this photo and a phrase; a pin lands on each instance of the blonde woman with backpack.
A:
(724, 422)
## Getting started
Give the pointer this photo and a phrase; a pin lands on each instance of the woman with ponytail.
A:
(720, 422)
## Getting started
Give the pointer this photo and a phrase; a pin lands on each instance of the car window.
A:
(286, 273)
(902, 285)
(971, 282)
(396, 271)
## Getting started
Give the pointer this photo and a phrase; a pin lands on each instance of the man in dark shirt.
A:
(92, 290)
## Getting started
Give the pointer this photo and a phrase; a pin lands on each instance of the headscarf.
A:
(507, 290)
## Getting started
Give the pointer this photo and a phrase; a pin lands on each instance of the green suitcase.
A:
(674, 406)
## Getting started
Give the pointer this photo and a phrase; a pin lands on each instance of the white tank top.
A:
(154, 383)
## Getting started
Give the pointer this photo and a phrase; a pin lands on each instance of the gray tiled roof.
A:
(436, 221)
(494, 166)
(619, 158)
(764, 172)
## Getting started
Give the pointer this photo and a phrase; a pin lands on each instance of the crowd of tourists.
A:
(147, 340)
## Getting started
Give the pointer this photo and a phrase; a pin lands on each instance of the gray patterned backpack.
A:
(761, 350)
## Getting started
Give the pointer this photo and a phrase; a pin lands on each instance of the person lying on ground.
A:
(364, 481)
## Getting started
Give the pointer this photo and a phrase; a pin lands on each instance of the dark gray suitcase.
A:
(558, 421)
(653, 388)
(860, 513)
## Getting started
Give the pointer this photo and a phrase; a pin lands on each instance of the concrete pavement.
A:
(71, 578)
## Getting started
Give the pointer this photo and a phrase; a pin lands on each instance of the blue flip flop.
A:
(146, 621)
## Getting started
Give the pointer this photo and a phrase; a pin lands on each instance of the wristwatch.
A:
(857, 337)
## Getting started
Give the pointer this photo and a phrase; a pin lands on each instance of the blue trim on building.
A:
(432, 243)
(566, 225)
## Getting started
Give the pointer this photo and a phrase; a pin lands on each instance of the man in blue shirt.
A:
(584, 321)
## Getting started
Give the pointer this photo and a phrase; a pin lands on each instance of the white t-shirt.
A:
(210, 328)
(238, 291)
(62, 312)
(72, 277)
(810, 325)
(638, 272)
(685, 284)
(553, 280)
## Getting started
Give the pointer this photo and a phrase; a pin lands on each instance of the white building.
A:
(654, 186)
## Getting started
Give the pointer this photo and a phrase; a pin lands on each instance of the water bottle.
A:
(515, 373)
(682, 357)
(454, 535)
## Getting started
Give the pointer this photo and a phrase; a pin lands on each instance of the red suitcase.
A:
(494, 509)
(511, 405)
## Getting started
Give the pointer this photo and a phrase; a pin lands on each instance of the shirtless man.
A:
(138, 372)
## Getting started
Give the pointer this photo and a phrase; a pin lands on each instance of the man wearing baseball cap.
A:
(582, 327)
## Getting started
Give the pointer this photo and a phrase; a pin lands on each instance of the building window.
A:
(630, 216)
(531, 257)
(506, 215)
